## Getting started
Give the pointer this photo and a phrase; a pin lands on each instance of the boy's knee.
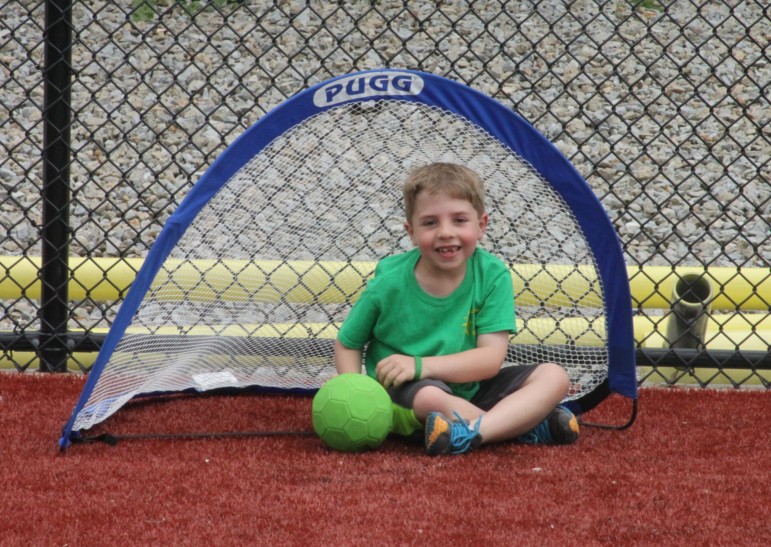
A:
(427, 399)
(557, 376)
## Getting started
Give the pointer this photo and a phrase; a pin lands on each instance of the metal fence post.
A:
(55, 230)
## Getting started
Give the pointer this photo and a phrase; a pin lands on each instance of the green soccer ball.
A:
(352, 412)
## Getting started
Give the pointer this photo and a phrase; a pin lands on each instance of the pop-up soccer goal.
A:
(252, 275)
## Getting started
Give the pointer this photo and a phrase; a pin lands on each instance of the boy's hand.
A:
(395, 369)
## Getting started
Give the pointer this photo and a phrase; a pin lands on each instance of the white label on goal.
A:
(371, 84)
(210, 380)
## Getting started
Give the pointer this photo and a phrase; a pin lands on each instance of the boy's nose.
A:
(445, 230)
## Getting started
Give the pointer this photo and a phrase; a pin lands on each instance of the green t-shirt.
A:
(394, 315)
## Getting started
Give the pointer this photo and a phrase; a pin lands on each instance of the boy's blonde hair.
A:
(453, 179)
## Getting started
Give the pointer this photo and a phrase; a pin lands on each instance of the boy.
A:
(436, 323)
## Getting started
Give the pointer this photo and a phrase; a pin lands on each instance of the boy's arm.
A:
(484, 361)
(346, 359)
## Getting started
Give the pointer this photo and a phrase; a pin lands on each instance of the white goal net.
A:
(255, 289)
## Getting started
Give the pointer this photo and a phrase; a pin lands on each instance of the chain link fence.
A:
(110, 111)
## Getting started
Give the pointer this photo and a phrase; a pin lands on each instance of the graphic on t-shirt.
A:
(471, 324)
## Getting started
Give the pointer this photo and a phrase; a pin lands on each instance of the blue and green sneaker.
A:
(559, 427)
(443, 436)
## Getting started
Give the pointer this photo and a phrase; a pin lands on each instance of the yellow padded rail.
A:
(105, 279)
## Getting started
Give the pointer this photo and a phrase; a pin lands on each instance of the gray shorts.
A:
(491, 391)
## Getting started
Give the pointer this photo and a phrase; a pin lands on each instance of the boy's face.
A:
(446, 230)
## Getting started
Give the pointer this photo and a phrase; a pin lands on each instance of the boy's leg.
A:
(431, 401)
(527, 407)
(529, 401)
(426, 396)
(405, 423)
(451, 422)
(407, 420)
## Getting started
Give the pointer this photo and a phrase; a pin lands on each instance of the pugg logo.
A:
(373, 84)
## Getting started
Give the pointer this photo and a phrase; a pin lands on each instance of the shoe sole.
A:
(435, 427)
(569, 432)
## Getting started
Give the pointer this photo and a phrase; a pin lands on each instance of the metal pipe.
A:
(691, 301)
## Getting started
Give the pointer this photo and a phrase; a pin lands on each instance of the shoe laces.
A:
(461, 435)
(540, 434)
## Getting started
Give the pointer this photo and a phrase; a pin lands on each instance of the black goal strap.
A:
(620, 427)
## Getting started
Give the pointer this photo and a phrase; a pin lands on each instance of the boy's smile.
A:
(446, 230)
(448, 252)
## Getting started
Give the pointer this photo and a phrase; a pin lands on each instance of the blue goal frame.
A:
(409, 85)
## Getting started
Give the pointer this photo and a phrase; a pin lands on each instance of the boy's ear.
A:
(483, 220)
(409, 230)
